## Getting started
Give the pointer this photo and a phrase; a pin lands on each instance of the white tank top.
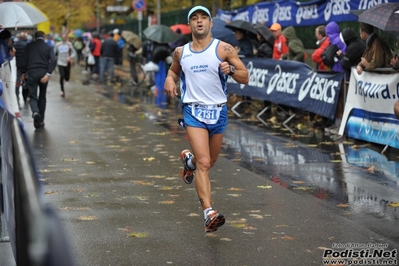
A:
(201, 80)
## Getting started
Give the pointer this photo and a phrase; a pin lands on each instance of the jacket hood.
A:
(332, 30)
(289, 33)
(348, 35)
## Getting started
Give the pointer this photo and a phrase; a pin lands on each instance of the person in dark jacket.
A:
(20, 47)
(265, 49)
(38, 63)
(245, 47)
(354, 50)
(109, 50)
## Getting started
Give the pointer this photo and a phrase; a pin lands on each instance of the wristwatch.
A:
(232, 70)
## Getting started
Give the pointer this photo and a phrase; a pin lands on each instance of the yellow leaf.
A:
(49, 192)
(371, 169)
(265, 187)
(235, 189)
(394, 204)
(342, 205)
(288, 238)
(138, 235)
(86, 218)
(236, 225)
(298, 182)
(303, 188)
(234, 195)
(149, 159)
(168, 202)
(143, 183)
(166, 188)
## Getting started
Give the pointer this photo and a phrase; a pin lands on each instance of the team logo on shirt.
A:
(199, 68)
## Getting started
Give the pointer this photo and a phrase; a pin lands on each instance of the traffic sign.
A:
(139, 5)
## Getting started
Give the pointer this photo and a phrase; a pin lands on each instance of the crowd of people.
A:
(337, 50)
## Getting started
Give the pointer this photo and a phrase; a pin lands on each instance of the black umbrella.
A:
(241, 25)
(266, 33)
(160, 34)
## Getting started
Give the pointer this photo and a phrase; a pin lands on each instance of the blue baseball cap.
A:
(196, 8)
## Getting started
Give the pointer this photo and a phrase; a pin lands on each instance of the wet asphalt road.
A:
(111, 170)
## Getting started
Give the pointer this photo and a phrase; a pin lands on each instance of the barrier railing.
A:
(33, 230)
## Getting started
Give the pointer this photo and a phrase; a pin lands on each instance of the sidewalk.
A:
(113, 174)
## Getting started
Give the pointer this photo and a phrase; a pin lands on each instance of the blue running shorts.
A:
(217, 128)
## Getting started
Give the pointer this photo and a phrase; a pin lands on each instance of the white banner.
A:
(369, 106)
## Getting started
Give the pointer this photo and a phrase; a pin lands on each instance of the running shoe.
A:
(187, 173)
(213, 221)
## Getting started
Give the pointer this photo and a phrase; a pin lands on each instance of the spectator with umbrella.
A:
(242, 30)
(159, 36)
(377, 53)
(266, 41)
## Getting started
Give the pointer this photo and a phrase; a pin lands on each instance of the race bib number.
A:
(209, 114)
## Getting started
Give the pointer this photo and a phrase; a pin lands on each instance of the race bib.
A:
(209, 114)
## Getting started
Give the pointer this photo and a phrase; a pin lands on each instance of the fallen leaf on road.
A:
(86, 218)
(394, 204)
(288, 238)
(264, 187)
(149, 159)
(138, 235)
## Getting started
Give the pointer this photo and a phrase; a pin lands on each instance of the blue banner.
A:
(290, 83)
(292, 13)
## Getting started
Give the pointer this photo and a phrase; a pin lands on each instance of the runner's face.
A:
(200, 24)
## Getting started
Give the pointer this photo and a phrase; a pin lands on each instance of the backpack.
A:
(121, 43)
(329, 55)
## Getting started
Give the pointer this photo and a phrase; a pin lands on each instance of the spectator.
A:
(377, 53)
(49, 40)
(159, 55)
(20, 47)
(121, 44)
(280, 42)
(95, 49)
(333, 33)
(79, 45)
(38, 62)
(65, 52)
(354, 50)
(245, 47)
(7, 51)
(296, 51)
(181, 40)
(265, 49)
(322, 41)
(109, 51)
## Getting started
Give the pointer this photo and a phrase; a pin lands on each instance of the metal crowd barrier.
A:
(32, 229)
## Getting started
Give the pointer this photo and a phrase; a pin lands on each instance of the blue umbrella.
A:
(219, 31)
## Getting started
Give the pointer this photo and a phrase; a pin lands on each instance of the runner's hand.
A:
(225, 67)
(170, 88)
